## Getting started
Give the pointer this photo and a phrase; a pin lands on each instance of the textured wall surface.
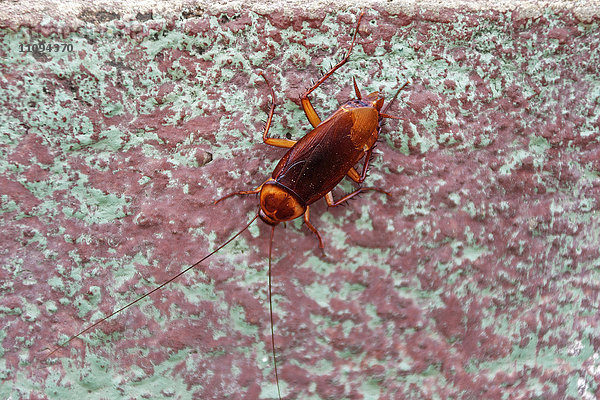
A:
(478, 278)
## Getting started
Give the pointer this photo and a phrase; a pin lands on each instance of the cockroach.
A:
(311, 168)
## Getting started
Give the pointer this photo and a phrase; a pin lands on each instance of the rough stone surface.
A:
(478, 278)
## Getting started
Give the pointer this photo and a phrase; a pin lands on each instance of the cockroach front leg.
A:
(312, 228)
(243, 192)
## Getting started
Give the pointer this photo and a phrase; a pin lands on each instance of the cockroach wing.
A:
(321, 159)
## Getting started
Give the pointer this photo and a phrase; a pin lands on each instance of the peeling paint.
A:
(477, 278)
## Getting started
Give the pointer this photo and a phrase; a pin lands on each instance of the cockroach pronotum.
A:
(310, 169)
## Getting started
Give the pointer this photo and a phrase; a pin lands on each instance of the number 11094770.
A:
(45, 47)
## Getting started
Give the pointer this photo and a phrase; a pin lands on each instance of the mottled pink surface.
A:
(478, 278)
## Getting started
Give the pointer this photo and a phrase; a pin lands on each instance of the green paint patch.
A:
(238, 318)
(11, 311)
(96, 207)
(88, 302)
(539, 145)
(371, 389)
(8, 205)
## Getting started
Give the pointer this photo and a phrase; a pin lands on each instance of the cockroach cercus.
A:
(311, 168)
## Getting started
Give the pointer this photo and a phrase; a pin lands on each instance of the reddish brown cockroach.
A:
(309, 170)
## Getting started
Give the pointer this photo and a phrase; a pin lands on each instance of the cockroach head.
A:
(278, 203)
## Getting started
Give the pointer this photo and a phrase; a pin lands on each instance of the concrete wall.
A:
(478, 278)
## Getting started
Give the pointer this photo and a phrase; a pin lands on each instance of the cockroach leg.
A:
(312, 228)
(309, 110)
(285, 143)
(353, 174)
(332, 203)
(243, 192)
(382, 113)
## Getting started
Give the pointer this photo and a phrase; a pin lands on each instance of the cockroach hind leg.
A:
(388, 194)
(382, 113)
(334, 203)
(376, 189)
